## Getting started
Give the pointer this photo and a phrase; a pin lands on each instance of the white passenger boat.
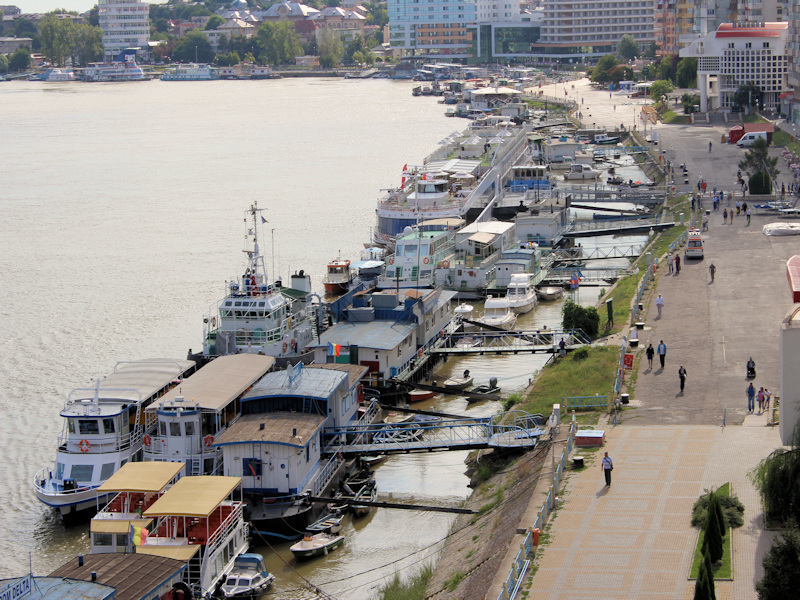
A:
(183, 424)
(249, 577)
(190, 72)
(57, 75)
(581, 171)
(122, 69)
(257, 316)
(103, 429)
(497, 313)
(521, 293)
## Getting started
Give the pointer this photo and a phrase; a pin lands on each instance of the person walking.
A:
(712, 270)
(760, 398)
(724, 216)
(670, 263)
(767, 397)
(709, 147)
(650, 352)
(607, 465)
(682, 377)
(751, 398)
(659, 304)
(748, 216)
(677, 264)
(661, 350)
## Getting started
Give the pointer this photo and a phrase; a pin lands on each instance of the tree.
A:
(228, 60)
(214, 22)
(586, 318)
(57, 38)
(194, 46)
(3, 63)
(667, 68)
(660, 89)
(94, 16)
(355, 45)
(331, 49)
(627, 47)
(714, 529)
(600, 71)
(25, 28)
(781, 567)
(686, 74)
(757, 161)
(278, 43)
(650, 53)
(748, 95)
(689, 101)
(87, 44)
(20, 59)
(619, 73)
(777, 477)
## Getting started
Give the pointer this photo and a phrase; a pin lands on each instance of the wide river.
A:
(121, 211)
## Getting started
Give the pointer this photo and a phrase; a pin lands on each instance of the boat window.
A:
(237, 303)
(106, 471)
(108, 425)
(410, 250)
(251, 467)
(102, 539)
(59, 470)
(189, 427)
(71, 425)
(162, 429)
(175, 429)
(231, 581)
(122, 540)
(88, 426)
(81, 472)
(423, 250)
(255, 579)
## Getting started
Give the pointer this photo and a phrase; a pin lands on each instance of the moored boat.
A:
(329, 522)
(338, 277)
(190, 72)
(122, 69)
(521, 293)
(581, 171)
(319, 544)
(420, 395)
(458, 383)
(497, 313)
(248, 577)
(549, 293)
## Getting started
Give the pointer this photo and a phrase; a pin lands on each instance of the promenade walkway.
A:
(634, 539)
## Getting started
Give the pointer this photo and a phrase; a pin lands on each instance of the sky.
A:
(43, 6)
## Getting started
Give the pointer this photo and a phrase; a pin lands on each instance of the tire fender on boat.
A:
(208, 440)
(84, 445)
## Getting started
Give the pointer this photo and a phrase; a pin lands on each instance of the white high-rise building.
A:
(125, 24)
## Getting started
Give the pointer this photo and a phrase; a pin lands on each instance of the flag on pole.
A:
(138, 535)
(263, 220)
(334, 349)
(405, 167)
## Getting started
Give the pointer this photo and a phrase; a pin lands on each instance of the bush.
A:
(760, 184)
(580, 354)
(781, 567)
(581, 317)
(732, 511)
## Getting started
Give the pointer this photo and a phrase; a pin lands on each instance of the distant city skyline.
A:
(44, 6)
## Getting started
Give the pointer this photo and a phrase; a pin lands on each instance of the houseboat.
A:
(529, 177)
(277, 444)
(190, 72)
(183, 424)
(103, 429)
(257, 316)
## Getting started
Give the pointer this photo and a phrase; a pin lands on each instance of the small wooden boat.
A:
(458, 383)
(550, 293)
(420, 395)
(484, 390)
(369, 493)
(249, 577)
(319, 544)
(329, 522)
(375, 459)
(393, 418)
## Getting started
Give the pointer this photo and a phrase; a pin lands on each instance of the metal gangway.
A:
(511, 342)
(616, 151)
(562, 275)
(595, 228)
(513, 429)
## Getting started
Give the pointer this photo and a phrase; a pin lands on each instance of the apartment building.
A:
(432, 27)
(125, 24)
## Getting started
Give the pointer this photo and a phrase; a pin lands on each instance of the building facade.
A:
(432, 27)
(125, 24)
(739, 54)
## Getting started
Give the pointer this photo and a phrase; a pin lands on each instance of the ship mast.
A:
(255, 277)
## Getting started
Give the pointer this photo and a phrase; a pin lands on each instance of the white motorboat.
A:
(103, 430)
(464, 311)
(249, 577)
(581, 171)
(497, 313)
(521, 294)
(458, 383)
(319, 544)
(256, 316)
(550, 293)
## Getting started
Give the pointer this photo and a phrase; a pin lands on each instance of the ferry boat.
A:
(103, 430)
(183, 424)
(419, 251)
(338, 277)
(257, 316)
(122, 69)
(55, 75)
(521, 294)
(190, 72)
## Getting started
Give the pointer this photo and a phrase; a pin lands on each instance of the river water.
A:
(120, 219)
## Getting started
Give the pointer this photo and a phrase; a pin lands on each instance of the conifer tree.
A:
(712, 594)
(712, 533)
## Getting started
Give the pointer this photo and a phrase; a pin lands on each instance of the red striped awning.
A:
(793, 274)
(785, 95)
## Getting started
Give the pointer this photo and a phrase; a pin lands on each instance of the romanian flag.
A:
(334, 349)
(138, 535)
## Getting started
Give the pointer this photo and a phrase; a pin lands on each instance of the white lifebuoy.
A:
(426, 260)
(445, 264)
(285, 347)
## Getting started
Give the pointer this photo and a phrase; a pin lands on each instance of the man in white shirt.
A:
(607, 466)
(659, 304)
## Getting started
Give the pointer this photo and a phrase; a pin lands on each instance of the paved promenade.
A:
(634, 539)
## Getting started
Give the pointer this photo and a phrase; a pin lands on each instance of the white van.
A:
(748, 139)
(694, 244)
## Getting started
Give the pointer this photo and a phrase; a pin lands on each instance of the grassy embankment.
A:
(413, 589)
(722, 569)
(670, 117)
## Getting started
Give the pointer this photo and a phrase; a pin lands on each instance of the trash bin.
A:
(535, 536)
(722, 139)
(624, 398)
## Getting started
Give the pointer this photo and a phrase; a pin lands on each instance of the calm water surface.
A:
(121, 213)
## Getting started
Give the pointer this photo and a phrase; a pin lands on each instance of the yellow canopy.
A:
(183, 552)
(142, 477)
(117, 525)
(193, 496)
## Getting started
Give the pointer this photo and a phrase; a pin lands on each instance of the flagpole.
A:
(273, 253)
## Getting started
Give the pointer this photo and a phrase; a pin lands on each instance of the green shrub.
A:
(732, 510)
(760, 184)
(586, 318)
(580, 354)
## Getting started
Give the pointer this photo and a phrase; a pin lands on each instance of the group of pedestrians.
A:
(673, 267)
(763, 397)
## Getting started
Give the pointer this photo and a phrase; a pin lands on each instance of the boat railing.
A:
(226, 528)
(324, 475)
(99, 444)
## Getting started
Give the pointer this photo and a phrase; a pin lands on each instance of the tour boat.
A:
(318, 544)
(249, 577)
(256, 316)
(497, 313)
(190, 72)
(338, 277)
(123, 69)
(521, 294)
(103, 430)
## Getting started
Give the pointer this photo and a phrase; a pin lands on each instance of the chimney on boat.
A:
(80, 560)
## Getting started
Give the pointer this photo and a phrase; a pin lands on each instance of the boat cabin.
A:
(526, 177)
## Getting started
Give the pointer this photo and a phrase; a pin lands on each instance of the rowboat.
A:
(319, 544)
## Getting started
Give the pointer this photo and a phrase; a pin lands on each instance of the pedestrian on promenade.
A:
(738, 206)
(670, 263)
(650, 352)
(692, 201)
(712, 270)
(767, 397)
(662, 352)
(607, 466)
(659, 304)
(677, 264)
(724, 216)
(682, 377)
(709, 147)
(760, 398)
(751, 398)
(748, 216)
